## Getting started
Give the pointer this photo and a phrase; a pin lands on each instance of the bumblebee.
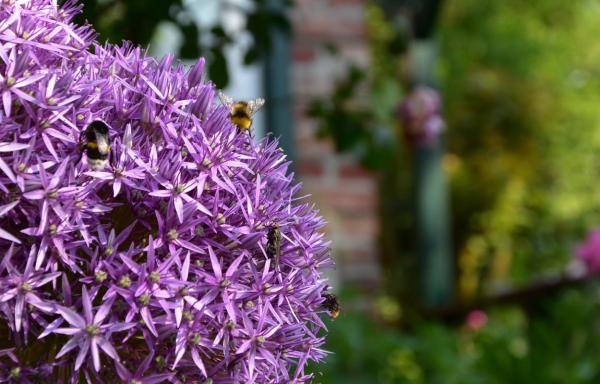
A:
(96, 145)
(241, 112)
(274, 243)
(331, 304)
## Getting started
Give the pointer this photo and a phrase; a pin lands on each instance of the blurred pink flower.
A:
(420, 114)
(476, 319)
(589, 251)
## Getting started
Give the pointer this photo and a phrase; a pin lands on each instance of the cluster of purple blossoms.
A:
(420, 114)
(154, 268)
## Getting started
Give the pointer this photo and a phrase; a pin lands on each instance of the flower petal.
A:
(198, 361)
(108, 348)
(95, 353)
(8, 294)
(117, 187)
(103, 311)
(178, 203)
(215, 263)
(147, 316)
(7, 102)
(180, 351)
(40, 304)
(51, 327)
(69, 345)
(67, 331)
(7, 236)
(185, 268)
(11, 147)
(19, 311)
(72, 317)
(161, 193)
(123, 373)
(135, 267)
(35, 195)
(119, 327)
(83, 350)
(45, 279)
(156, 379)
(87, 305)
(4, 209)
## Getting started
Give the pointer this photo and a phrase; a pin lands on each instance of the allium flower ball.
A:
(154, 267)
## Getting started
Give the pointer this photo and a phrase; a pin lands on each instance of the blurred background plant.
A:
(553, 341)
(521, 89)
(520, 86)
(140, 21)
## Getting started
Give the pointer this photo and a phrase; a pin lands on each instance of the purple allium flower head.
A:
(589, 251)
(420, 114)
(154, 267)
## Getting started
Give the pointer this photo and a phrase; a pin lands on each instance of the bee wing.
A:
(226, 100)
(255, 105)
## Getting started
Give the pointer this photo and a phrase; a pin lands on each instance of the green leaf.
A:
(191, 47)
(217, 69)
(251, 56)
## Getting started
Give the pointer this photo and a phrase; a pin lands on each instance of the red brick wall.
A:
(345, 193)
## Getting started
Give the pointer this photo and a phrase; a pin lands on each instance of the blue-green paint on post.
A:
(277, 88)
(433, 229)
(432, 214)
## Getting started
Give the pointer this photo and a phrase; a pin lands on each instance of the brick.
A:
(346, 2)
(346, 193)
(361, 273)
(312, 146)
(303, 53)
(354, 171)
(320, 20)
(309, 168)
(350, 201)
(362, 226)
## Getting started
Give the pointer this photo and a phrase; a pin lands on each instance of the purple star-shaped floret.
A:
(88, 332)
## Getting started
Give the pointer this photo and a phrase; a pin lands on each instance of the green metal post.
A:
(431, 198)
(277, 87)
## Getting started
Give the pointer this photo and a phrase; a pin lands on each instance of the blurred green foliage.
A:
(521, 89)
(136, 21)
(556, 341)
(520, 84)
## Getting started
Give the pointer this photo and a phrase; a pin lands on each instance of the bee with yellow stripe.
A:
(241, 112)
(331, 304)
(96, 145)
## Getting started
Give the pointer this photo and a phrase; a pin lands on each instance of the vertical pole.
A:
(431, 197)
(433, 241)
(277, 86)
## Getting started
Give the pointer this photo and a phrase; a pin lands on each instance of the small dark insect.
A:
(241, 112)
(96, 145)
(331, 304)
(274, 243)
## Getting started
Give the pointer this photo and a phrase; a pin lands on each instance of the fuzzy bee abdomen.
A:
(92, 151)
(96, 164)
(242, 122)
